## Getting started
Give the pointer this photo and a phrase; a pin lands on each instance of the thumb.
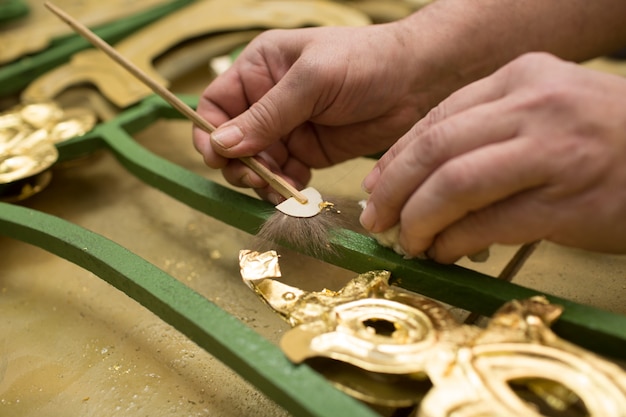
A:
(277, 113)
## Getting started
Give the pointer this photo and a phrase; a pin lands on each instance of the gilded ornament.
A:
(28, 134)
(393, 348)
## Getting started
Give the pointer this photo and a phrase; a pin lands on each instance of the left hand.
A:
(535, 151)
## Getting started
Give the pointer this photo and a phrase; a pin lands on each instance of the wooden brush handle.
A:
(275, 181)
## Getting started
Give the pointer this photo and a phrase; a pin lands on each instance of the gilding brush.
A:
(307, 203)
(312, 234)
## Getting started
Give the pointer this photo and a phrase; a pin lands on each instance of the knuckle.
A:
(530, 64)
(263, 117)
(429, 148)
(533, 58)
(457, 178)
(412, 244)
(554, 94)
(436, 114)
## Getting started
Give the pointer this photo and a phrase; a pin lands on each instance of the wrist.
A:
(449, 48)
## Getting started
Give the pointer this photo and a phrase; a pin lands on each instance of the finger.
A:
(415, 157)
(480, 92)
(239, 175)
(285, 106)
(298, 172)
(520, 219)
(202, 144)
(470, 183)
(217, 104)
(244, 82)
(292, 171)
(247, 91)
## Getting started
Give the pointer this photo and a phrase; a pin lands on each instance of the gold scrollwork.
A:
(393, 348)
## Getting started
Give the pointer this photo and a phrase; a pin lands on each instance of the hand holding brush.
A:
(305, 220)
(291, 224)
(300, 117)
(300, 204)
(289, 97)
(300, 104)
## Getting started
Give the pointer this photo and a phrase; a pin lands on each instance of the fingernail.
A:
(227, 136)
(368, 216)
(369, 182)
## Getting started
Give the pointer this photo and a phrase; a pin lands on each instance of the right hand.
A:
(534, 151)
(310, 98)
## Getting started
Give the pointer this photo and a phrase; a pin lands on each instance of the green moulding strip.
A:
(16, 75)
(11, 10)
(296, 388)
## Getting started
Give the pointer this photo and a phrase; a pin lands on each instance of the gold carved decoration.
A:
(393, 348)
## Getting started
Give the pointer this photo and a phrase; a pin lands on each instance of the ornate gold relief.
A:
(393, 348)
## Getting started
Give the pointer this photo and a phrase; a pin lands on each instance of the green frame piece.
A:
(11, 10)
(16, 75)
(298, 389)
(210, 327)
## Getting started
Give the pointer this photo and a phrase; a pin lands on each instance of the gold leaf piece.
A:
(255, 265)
(28, 134)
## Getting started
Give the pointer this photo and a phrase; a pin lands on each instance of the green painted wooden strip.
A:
(298, 389)
(11, 10)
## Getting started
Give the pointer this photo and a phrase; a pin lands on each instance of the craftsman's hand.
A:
(309, 98)
(535, 151)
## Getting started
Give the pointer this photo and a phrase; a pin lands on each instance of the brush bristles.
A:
(310, 234)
